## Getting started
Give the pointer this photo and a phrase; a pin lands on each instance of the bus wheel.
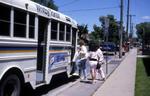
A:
(10, 86)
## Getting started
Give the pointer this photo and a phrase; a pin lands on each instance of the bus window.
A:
(62, 31)
(19, 23)
(31, 26)
(68, 33)
(54, 30)
(4, 21)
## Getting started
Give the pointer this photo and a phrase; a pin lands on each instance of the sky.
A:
(89, 11)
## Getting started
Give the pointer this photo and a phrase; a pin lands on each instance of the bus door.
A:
(74, 45)
(42, 49)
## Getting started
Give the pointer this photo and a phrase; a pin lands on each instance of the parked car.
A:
(109, 47)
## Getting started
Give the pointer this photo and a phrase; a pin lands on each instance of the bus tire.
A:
(10, 86)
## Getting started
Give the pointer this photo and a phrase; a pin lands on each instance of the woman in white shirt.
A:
(80, 59)
(95, 55)
(83, 59)
(92, 60)
(101, 61)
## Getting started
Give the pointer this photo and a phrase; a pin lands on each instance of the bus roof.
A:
(40, 10)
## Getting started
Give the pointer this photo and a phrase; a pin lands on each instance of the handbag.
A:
(98, 66)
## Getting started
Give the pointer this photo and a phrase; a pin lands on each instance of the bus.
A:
(36, 43)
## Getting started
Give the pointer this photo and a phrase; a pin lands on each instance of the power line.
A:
(91, 9)
(69, 3)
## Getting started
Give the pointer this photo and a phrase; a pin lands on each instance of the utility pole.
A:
(128, 12)
(131, 22)
(131, 30)
(106, 20)
(121, 28)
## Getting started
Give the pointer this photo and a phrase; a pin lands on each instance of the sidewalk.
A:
(122, 81)
(86, 88)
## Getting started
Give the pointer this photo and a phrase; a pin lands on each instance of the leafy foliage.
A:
(99, 31)
(52, 5)
(83, 32)
(96, 34)
(113, 31)
(143, 32)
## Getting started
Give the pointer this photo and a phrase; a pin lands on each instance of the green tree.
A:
(83, 32)
(143, 32)
(97, 34)
(48, 3)
(52, 5)
(113, 30)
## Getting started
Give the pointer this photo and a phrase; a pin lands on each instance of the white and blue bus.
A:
(35, 43)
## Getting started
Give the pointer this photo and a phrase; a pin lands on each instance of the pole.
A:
(107, 50)
(121, 28)
(107, 34)
(131, 29)
(127, 26)
(143, 41)
(130, 23)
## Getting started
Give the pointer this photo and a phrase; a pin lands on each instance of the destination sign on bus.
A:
(54, 14)
(42, 10)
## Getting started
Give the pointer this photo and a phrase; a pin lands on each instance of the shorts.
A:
(93, 64)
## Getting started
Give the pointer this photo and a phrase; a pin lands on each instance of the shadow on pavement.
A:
(86, 81)
(57, 81)
(115, 62)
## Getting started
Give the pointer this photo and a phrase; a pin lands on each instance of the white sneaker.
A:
(82, 78)
(75, 74)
